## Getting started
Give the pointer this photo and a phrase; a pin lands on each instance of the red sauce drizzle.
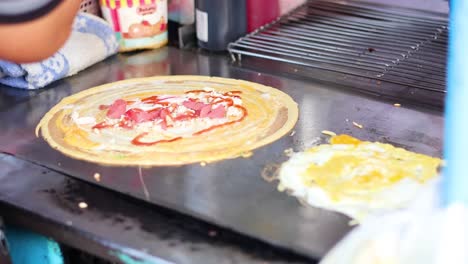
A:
(151, 98)
(218, 100)
(101, 125)
(103, 107)
(155, 100)
(197, 91)
(185, 116)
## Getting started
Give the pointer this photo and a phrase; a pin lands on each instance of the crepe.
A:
(168, 120)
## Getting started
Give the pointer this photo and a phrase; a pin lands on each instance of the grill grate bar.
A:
(353, 30)
(234, 50)
(345, 56)
(401, 46)
(374, 13)
(349, 36)
(304, 56)
(377, 56)
(336, 40)
(351, 45)
(339, 48)
(328, 18)
(362, 28)
(322, 56)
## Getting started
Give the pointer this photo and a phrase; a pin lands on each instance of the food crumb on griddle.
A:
(328, 133)
(97, 176)
(370, 49)
(270, 172)
(288, 152)
(83, 205)
(357, 125)
(293, 133)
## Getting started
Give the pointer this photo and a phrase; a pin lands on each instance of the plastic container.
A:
(138, 24)
(219, 22)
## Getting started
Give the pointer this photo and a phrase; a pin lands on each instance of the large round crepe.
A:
(270, 114)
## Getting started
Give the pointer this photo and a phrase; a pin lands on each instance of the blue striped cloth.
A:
(92, 40)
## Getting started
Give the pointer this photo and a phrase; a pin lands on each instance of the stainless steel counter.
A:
(229, 194)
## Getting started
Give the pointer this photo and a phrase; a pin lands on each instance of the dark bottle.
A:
(220, 22)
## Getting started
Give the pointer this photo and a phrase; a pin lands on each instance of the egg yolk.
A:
(344, 139)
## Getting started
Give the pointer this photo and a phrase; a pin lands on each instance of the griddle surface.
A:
(228, 193)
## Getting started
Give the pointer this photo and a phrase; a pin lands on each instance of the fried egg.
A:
(357, 178)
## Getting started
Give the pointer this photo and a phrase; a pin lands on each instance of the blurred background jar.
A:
(138, 24)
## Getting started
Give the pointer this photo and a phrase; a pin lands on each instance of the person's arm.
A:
(36, 34)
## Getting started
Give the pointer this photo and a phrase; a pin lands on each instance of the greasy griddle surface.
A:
(231, 193)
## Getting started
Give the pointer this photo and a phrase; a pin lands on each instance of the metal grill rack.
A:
(402, 46)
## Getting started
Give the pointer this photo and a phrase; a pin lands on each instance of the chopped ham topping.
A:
(205, 111)
(117, 109)
(218, 112)
(137, 115)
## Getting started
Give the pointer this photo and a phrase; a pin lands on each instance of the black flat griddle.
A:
(229, 193)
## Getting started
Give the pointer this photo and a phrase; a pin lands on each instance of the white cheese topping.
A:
(86, 120)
